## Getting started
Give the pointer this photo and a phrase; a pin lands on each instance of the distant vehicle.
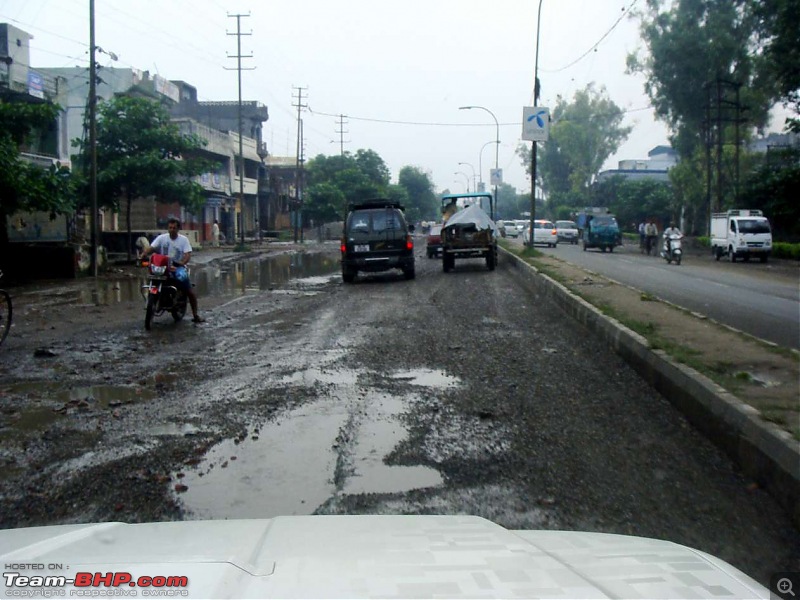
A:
(544, 232)
(567, 231)
(741, 234)
(522, 225)
(511, 228)
(468, 231)
(601, 231)
(376, 238)
(434, 241)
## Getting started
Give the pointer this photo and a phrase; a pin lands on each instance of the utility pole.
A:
(238, 56)
(718, 101)
(341, 131)
(93, 139)
(298, 183)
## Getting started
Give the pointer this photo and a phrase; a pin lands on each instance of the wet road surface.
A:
(451, 393)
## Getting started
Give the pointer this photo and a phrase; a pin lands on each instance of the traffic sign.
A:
(496, 176)
(535, 123)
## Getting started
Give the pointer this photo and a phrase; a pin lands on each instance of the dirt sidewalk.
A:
(759, 373)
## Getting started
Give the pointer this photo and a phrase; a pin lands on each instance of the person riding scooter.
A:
(669, 232)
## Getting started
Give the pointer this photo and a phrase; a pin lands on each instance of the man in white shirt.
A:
(668, 233)
(179, 250)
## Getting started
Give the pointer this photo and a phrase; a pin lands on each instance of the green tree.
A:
(778, 30)
(774, 187)
(140, 154)
(422, 203)
(692, 45)
(583, 134)
(634, 201)
(24, 186)
(358, 178)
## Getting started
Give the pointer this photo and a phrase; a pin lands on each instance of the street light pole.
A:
(474, 180)
(535, 102)
(480, 162)
(496, 150)
(465, 177)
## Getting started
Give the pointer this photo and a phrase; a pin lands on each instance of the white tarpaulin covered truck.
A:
(741, 233)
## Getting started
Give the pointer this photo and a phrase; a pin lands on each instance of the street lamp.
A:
(480, 162)
(465, 177)
(474, 180)
(535, 102)
(497, 147)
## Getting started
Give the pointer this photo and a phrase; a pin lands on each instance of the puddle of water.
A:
(264, 273)
(292, 465)
(377, 437)
(288, 470)
(104, 396)
(34, 419)
(428, 378)
(314, 375)
(242, 277)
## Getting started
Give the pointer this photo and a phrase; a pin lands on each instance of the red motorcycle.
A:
(161, 292)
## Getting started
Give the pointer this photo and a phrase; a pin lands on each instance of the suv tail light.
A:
(409, 243)
(343, 246)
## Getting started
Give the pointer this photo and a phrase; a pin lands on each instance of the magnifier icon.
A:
(784, 586)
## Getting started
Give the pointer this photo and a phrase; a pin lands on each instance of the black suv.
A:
(376, 238)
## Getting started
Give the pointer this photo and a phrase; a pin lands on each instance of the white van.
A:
(741, 233)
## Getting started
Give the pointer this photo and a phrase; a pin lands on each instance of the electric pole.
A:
(341, 131)
(298, 183)
(238, 56)
(93, 140)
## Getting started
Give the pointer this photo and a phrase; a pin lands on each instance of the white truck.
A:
(741, 233)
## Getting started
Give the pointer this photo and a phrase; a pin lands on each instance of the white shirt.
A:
(175, 249)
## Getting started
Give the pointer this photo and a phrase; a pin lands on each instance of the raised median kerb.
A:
(741, 392)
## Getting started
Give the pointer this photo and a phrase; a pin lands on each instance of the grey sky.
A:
(398, 71)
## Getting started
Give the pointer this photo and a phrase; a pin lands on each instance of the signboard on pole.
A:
(535, 123)
(496, 176)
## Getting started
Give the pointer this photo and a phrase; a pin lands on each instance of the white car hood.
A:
(372, 556)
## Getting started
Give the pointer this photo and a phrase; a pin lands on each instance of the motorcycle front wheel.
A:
(152, 299)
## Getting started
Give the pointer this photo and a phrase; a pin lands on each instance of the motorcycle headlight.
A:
(158, 270)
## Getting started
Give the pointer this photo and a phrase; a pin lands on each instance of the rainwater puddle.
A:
(290, 465)
(376, 438)
(102, 396)
(237, 278)
(33, 419)
(314, 375)
(428, 378)
(288, 470)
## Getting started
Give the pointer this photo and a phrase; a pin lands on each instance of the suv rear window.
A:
(375, 220)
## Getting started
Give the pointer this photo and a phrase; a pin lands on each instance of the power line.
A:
(594, 46)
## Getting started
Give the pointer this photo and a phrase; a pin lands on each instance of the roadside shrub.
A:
(786, 250)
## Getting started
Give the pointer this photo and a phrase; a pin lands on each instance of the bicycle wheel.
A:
(5, 314)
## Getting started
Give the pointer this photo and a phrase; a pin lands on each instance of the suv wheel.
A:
(348, 276)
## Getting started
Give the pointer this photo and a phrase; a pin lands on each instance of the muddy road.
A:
(451, 393)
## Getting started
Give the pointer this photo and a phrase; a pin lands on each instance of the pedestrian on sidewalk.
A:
(215, 233)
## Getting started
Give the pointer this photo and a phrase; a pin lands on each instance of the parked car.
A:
(510, 228)
(376, 238)
(434, 242)
(567, 231)
(544, 233)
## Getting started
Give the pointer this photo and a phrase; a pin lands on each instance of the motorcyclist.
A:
(670, 231)
(179, 250)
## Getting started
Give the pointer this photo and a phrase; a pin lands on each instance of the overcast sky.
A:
(397, 70)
